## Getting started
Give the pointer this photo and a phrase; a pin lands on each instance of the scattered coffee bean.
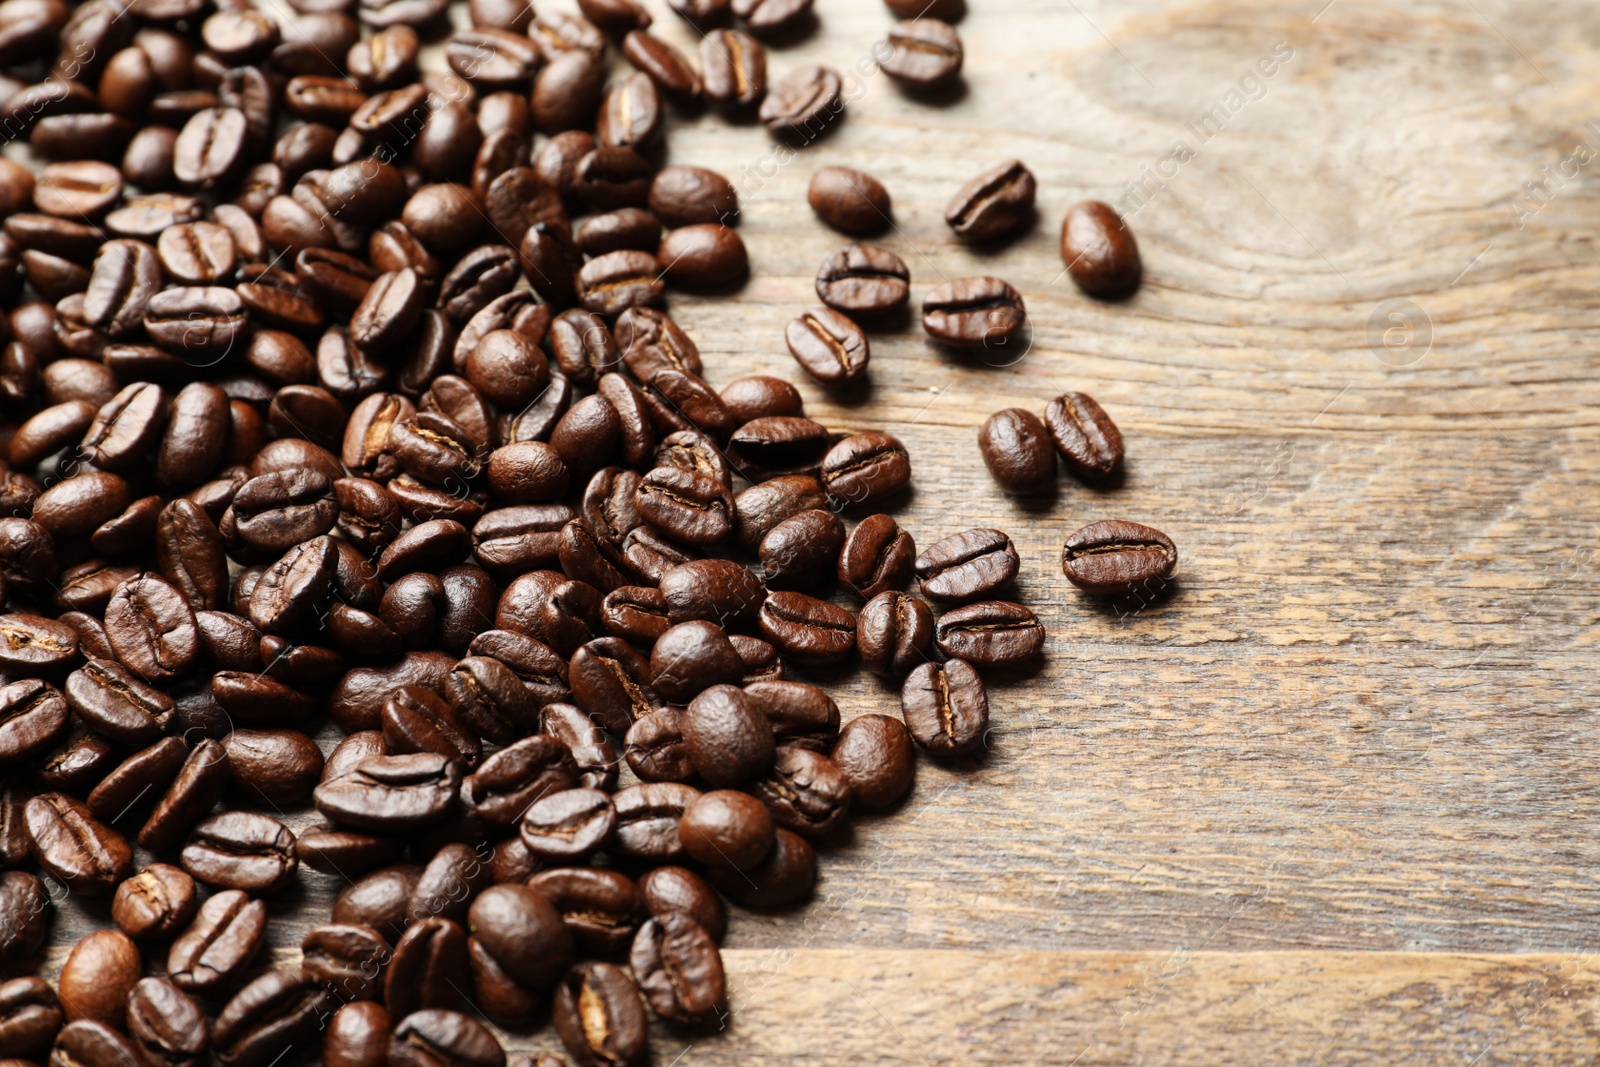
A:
(946, 707)
(850, 201)
(979, 313)
(990, 633)
(1084, 434)
(1018, 451)
(994, 205)
(1100, 251)
(1117, 558)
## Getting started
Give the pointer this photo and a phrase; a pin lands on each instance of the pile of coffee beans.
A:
(334, 389)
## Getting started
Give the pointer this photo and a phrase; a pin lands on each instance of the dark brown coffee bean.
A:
(23, 934)
(762, 507)
(1100, 251)
(567, 92)
(167, 1027)
(223, 940)
(802, 552)
(279, 510)
(569, 825)
(429, 969)
(1017, 449)
(785, 878)
(693, 656)
(687, 196)
(875, 756)
(116, 703)
(349, 957)
(802, 104)
(138, 781)
(692, 450)
(380, 900)
(276, 767)
(156, 903)
(599, 907)
(647, 821)
(242, 850)
(655, 749)
(979, 313)
(443, 1039)
(198, 785)
(679, 890)
(279, 1011)
(92, 1044)
(211, 149)
(663, 64)
(518, 776)
(126, 427)
(772, 17)
(727, 828)
(924, 53)
(877, 556)
(728, 736)
(828, 346)
(201, 324)
(1084, 434)
(391, 793)
(967, 565)
(862, 279)
(994, 205)
(521, 931)
(679, 969)
(386, 58)
(600, 1016)
(357, 1036)
(626, 228)
(677, 400)
(1117, 558)
(946, 708)
(990, 633)
(67, 841)
(733, 67)
(705, 254)
(30, 1013)
(97, 977)
(691, 507)
(894, 633)
(805, 792)
(192, 448)
(619, 280)
(508, 368)
(615, 17)
(721, 591)
(346, 853)
(808, 630)
(865, 469)
(35, 644)
(635, 613)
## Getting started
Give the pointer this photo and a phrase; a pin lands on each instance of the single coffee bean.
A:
(1117, 558)
(946, 707)
(679, 969)
(416, 720)
(612, 682)
(990, 633)
(1017, 449)
(924, 53)
(323, 847)
(865, 280)
(570, 824)
(34, 716)
(808, 630)
(100, 971)
(600, 1017)
(801, 715)
(443, 1039)
(516, 777)
(718, 590)
(1100, 252)
(693, 656)
(805, 792)
(91, 1044)
(785, 878)
(802, 552)
(598, 906)
(828, 346)
(523, 932)
(691, 507)
(380, 900)
(1084, 434)
(349, 957)
(242, 850)
(877, 556)
(994, 205)
(167, 1026)
(278, 1012)
(764, 506)
(72, 845)
(27, 910)
(733, 69)
(967, 565)
(865, 469)
(655, 749)
(30, 1017)
(727, 828)
(275, 767)
(875, 756)
(803, 104)
(647, 821)
(978, 313)
(850, 201)
(619, 280)
(894, 633)
(156, 903)
(429, 968)
(152, 630)
(728, 736)
(357, 1036)
(116, 703)
(668, 68)
(391, 793)
(704, 254)
(686, 196)
(198, 785)
(666, 890)
(592, 751)
(225, 937)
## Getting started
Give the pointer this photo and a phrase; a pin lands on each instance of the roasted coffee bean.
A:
(349, 957)
(865, 469)
(157, 903)
(27, 910)
(772, 17)
(691, 507)
(127, 426)
(1017, 449)
(523, 932)
(785, 878)
(966, 566)
(946, 707)
(511, 541)
(612, 682)
(67, 841)
(429, 968)
(200, 324)
(592, 751)
(679, 969)
(197, 253)
(391, 793)
(875, 756)
(729, 738)
(850, 201)
(416, 720)
(1100, 251)
(718, 590)
(598, 906)
(198, 785)
(116, 703)
(388, 311)
(924, 53)
(30, 1016)
(894, 633)
(828, 346)
(615, 231)
(138, 781)
(1089, 442)
(727, 828)
(223, 940)
(635, 613)
(663, 64)
(994, 205)
(805, 792)
(211, 148)
(242, 850)
(686, 196)
(443, 1039)
(647, 821)
(802, 551)
(380, 900)
(667, 890)
(280, 1011)
(655, 749)
(34, 716)
(704, 254)
(78, 762)
(516, 777)
(600, 1016)
(803, 104)
(615, 17)
(694, 451)
(92, 1044)
(862, 279)
(877, 556)
(693, 656)
(733, 67)
(990, 633)
(357, 1036)
(275, 767)
(35, 643)
(619, 280)
(345, 852)
(764, 506)
(979, 313)
(567, 91)
(570, 824)
(100, 971)
(167, 1027)
(1117, 558)
(127, 274)
(807, 630)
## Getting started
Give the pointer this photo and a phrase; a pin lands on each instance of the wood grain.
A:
(1312, 807)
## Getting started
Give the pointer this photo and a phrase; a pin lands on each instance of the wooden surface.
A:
(1334, 801)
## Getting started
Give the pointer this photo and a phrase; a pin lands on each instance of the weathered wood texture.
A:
(1278, 817)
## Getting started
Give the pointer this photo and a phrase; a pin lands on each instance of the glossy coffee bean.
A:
(242, 850)
(92, 1044)
(967, 565)
(30, 1017)
(679, 969)
(167, 1027)
(1100, 251)
(67, 841)
(1017, 449)
(98, 975)
(156, 903)
(349, 957)
(1089, 442)
(1117, 558)
(874, 753)
(34, 716)
(946, 707)
(671, 889)
(647, 821)
(805, 792)
(802, 551)
(828, 346)
(728, 736)
(23, 896)
(600, 907)
(865, 280)
(994, 205)
(569, 825)
(977, 313)
(436, 1038)
(894, 633)
(278, 1012)
(803, 104)
(865, 469)
(225, 937)
(429, 968)
(990, 633)
(924, 53)
(600, 1016)
(391, 793)
(877, 556)
(357, 1036)
(727, 828)
(850, 201)
(785, 878)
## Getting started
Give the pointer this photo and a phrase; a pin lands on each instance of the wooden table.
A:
(1330, 802)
